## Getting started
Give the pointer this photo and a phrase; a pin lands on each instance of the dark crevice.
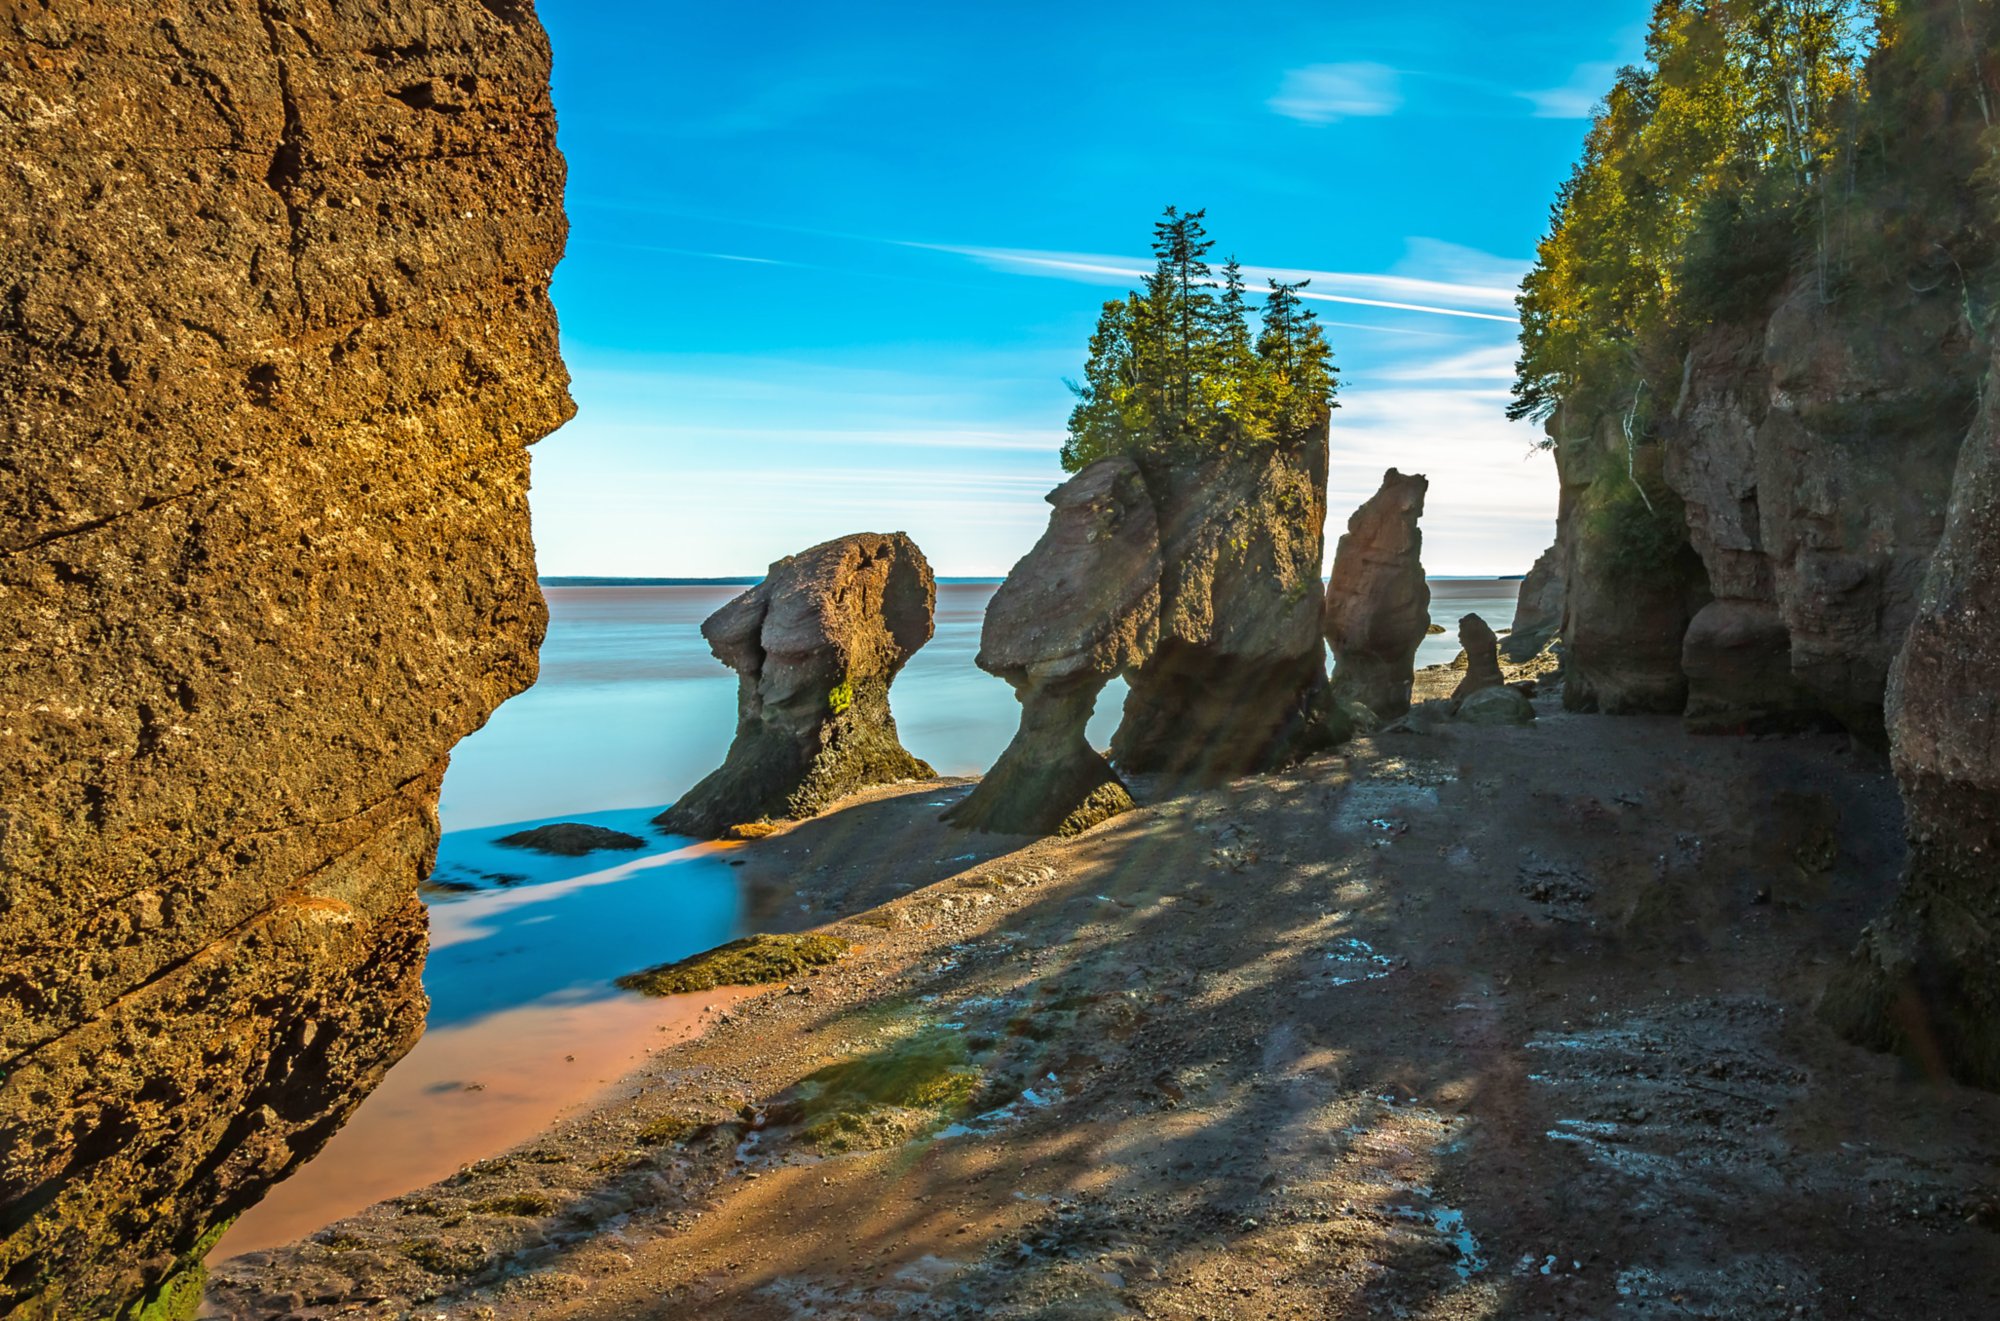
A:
(293, 158)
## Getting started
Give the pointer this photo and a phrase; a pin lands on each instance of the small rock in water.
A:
(571, 839)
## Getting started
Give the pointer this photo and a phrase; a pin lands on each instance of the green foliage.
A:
(1685, 203)
(1174, 366)
(840, 698)
(1636, 537)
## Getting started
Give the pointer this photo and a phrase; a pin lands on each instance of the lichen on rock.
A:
(815, 646)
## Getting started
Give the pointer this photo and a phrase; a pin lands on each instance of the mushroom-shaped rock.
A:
(1482, 658)
(814, 646)
(1238, 682)
(1080, 608)
(1378, 606)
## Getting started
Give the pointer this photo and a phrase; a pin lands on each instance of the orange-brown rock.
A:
(274, 338)
(1926, 979)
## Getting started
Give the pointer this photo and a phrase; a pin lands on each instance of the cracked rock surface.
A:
(274, 338)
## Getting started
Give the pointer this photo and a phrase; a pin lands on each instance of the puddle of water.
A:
(524, 1022)
(1355, 960)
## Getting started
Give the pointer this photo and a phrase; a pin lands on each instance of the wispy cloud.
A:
(1325, 93)
(1494, 363)
(1398, 293)
(1575, 99)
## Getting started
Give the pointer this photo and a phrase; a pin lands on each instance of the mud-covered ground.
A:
(1475, 1022)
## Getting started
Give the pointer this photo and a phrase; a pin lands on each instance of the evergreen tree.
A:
(1175, 366)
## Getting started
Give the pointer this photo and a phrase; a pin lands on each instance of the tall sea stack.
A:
(1239, 676)
(1378, 605)
(275, 339)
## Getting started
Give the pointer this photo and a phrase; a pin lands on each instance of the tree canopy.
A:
(1175, 366)
(1699, 175)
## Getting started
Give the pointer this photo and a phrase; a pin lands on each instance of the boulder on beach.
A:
(1079, 608)
(1503, 705)
(815, 646)
(1482, 658)
(1377, 609)
(570, 839)
(1238, 681)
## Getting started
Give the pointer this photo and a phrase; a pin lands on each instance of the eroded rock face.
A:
(1237, 682)
(1378, 605)
(276, 340)
(815, 647)
(1814, 452)
(1080, 608)
(1632, 584)
(1482, 658)
(1538, 613)
(1926, 979)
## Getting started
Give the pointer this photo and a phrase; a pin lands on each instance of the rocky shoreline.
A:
(1256, 1049)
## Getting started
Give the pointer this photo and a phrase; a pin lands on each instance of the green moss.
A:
(178, 1297)
(442, 1258)
(840, 698)
(748, 962)
(518, 1204)
(887, 1097)
(1105, 801)
(668, 1129)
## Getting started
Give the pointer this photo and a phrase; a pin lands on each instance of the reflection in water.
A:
(524, 1020)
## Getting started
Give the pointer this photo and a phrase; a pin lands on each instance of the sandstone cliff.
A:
(274, 339)
(1631, 583)
(1926, 979)
(1239, 676)
(1814, 454)
(815, 646)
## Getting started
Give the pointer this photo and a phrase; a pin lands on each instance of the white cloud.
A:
(1324, 93)
(1577, 98)
(1495, 363)
(1359, 289)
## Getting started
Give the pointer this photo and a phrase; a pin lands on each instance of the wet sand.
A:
(465, 1093)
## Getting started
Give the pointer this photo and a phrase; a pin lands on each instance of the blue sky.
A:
(829, 265)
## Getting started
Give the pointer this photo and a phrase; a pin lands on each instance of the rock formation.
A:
(1496, 706)
(1238, 680)
(1080, 608)
(1378, 605)
(1926, 980)
(1482, 658)
(275, 339)
(1631, 582)
(815, 646)
(1538, 613)
(1814, 455)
